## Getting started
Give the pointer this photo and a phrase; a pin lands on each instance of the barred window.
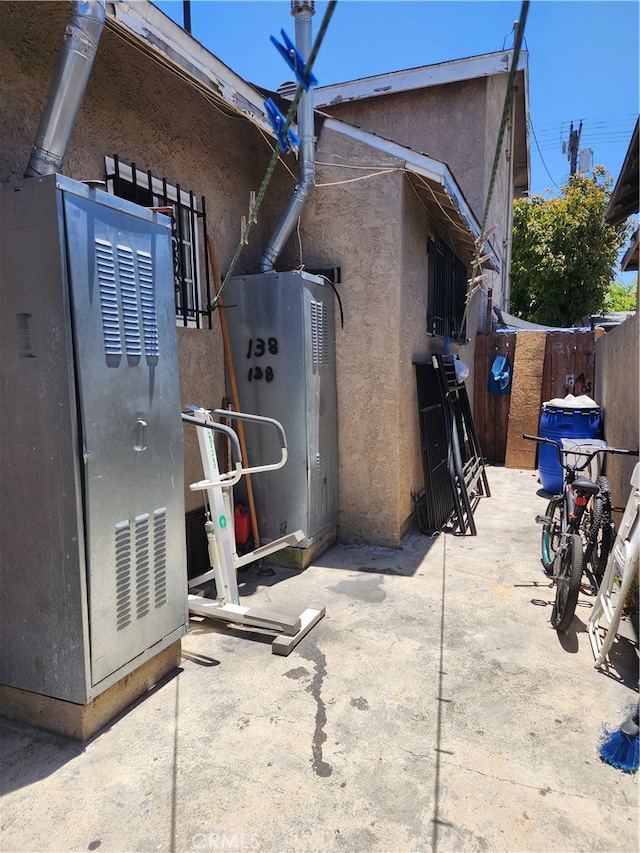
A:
(447, 291)
(188, 230)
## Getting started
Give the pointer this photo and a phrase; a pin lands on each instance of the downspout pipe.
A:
(67, 87)
(302, 11)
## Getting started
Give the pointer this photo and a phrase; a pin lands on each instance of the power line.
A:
(540, 153)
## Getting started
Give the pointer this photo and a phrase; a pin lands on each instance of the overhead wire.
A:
(540, 153)
(282, 160)
(455, 224)
(360, 178)
(476, 266)
(275, 156)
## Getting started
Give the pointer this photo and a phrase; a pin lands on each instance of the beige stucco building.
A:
(399, 176)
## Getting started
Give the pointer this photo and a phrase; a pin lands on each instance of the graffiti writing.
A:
(583, 384)
(257, 373)
(259, 347)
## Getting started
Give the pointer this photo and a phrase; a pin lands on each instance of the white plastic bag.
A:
(462, 370)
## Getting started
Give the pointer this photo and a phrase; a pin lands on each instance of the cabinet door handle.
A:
(141, 435)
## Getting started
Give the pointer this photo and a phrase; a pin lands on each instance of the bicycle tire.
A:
(568, 582)
(551, 534)
(601, 533)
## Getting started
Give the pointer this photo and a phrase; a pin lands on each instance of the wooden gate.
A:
(569, 368)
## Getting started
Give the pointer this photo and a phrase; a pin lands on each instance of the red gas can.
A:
(241, 524)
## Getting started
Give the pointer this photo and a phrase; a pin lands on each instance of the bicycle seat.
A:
(585, 485)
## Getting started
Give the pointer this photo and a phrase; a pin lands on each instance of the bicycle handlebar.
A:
(588, 454)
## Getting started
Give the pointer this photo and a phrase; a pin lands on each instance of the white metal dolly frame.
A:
(221, 538)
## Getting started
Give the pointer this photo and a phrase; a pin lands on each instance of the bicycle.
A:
(578, 532)
(597, 530)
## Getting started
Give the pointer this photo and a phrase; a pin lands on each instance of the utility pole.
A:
(186, 12)
(573, 147)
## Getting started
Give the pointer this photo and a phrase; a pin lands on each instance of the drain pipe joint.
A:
(302, 11)
(67, 87)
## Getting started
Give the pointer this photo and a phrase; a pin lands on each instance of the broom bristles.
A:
(621, 751)
(619, 747)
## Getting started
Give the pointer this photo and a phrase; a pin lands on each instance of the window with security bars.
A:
(447, 291)
(188, 225)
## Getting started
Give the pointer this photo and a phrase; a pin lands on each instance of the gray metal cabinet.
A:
(93, 565)
(281, 327)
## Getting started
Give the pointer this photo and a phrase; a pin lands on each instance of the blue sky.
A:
(583, 57)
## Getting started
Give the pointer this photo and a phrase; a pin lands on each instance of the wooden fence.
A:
(568, 368)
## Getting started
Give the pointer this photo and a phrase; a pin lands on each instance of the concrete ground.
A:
(433, 709)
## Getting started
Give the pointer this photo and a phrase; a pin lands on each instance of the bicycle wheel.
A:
(601, 534)
(551, 534)
(568, 584)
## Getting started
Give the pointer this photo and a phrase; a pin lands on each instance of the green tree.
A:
(563, 255)
(621, 297)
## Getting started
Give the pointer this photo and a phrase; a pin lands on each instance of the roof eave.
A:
(624, 198)
(150, 30)
(454, 71)
(629, 262)
(432, 170)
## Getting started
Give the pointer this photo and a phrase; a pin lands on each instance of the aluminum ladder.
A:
(622, 567)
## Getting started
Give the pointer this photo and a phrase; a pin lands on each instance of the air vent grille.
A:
(129, 296)
(148, 303)
(319, 341)
(108, 298)
(127, 300)
(140, 566)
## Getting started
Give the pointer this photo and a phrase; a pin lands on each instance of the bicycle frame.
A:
(564, 538)
(576, 493)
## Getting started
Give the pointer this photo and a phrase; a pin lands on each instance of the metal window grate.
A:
(189, 232)
(447, 291)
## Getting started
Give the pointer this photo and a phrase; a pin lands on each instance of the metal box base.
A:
(81, 722)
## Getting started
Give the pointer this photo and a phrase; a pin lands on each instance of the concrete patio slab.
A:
(432, 709)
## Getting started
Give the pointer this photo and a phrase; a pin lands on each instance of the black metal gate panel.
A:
(453, 466)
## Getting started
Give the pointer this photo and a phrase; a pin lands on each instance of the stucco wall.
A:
(142, 112)
(458, 124)
(617, 383)
(443, 122)
(375, 228)
(501, 205)
(357, 226)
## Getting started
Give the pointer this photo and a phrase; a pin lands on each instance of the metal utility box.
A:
(281, 327)
(93, 567)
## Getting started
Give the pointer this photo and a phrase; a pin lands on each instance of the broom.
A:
(619, 747)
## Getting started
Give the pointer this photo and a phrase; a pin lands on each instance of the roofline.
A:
(419, 164)
(623, 201)
(149, 29)
(629, 261)
(454, 71)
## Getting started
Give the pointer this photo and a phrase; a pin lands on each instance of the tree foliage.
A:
(563, 255)
(621, 297)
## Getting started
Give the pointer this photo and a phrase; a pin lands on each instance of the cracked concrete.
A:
(432, 709)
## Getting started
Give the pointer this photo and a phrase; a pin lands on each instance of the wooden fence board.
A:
(524, 410)
(566, 354)
(491, 411)
(569, 354)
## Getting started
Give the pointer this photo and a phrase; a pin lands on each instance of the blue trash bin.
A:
(558, 422)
